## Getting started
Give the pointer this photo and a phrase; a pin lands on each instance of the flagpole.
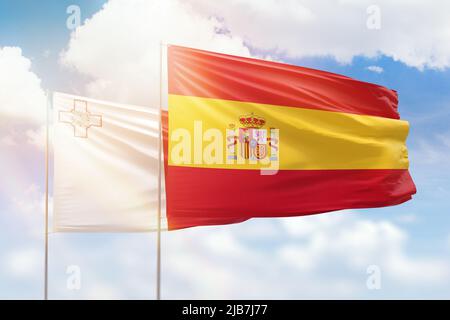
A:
(158, 235)
(49, 98)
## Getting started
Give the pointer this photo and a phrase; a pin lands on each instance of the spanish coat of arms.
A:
(252, 141)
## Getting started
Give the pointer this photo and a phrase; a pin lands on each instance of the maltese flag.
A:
(105, 166)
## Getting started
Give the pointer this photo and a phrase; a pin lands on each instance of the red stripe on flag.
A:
(199, 196)
(212, 75)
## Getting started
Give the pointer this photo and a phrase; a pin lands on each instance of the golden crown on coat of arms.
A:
(252, 121)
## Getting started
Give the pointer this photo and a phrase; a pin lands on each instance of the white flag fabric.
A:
(105, 166)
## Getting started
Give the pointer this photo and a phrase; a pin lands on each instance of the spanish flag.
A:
(246, 138)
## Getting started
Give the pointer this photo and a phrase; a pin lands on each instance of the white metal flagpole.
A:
(158, 236)
(47, 138)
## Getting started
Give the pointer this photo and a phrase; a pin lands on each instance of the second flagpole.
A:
(47, 138)
(158, 236)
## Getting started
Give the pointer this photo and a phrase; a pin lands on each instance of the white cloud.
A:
(37, 137)
(338, 28)
(27, 208)
(359, 243)
(22, 102)
(323, 256)
(22, 112)
(22, 263)
(30, 201)
(119, 46)
(8, 140)
(376, 69)
(21, 95)
(431, 271)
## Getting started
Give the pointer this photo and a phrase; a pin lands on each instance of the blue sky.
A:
(38, 27)
(122, 266)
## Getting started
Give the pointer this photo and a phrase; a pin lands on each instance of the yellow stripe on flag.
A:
(308, 139)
